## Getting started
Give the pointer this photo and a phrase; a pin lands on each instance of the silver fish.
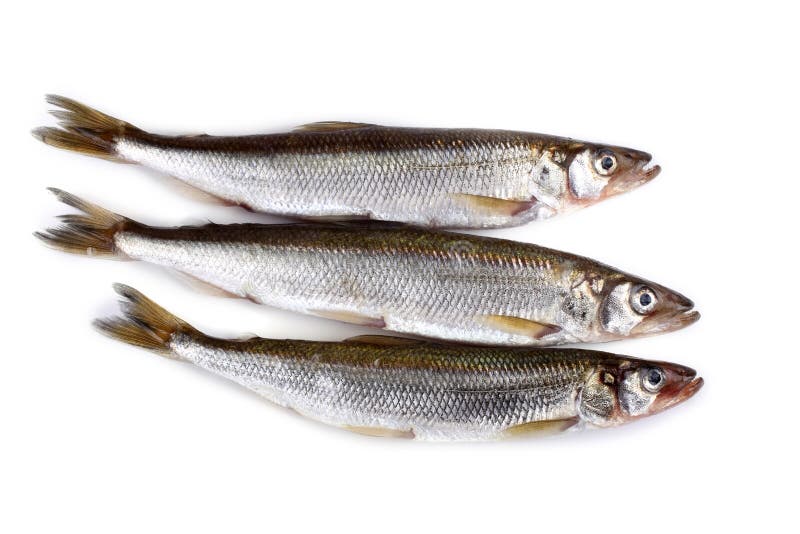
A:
(379, 385)
(457, 178)
(429, 283)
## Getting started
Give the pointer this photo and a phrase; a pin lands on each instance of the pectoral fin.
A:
(493, 205)
(379, 432)
(520, 326)
(331, 126)
(542, 428)
(384, 341)
(350, 317)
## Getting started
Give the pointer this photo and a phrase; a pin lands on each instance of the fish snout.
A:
(684, 389)
(683, 313)
(682, 383)
(674, 311)
(677, 301)
(688, 391)
(637, 168)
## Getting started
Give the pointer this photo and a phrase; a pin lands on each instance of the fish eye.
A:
(605, 162)
(653, 379)
(643, 300)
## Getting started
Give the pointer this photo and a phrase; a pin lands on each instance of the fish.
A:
(443, 178)
(399, 387)
(422, 282)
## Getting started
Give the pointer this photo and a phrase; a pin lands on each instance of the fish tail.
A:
(83, 129)
(143, 323)
(90, 233)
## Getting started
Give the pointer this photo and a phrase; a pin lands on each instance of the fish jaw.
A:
(666, 323)
(682, 384)
(642, 170)
(687, 392)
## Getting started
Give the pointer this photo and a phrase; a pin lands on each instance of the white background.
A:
(100, 437)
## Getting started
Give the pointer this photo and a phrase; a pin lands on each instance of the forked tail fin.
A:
(84, 129)
(144, 323)
(90, 233)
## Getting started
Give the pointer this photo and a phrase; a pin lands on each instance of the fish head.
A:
(625, 390)
(597, 172)
(632, 307)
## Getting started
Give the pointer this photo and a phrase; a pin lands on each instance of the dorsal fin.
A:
(331, 126)
(385, 341)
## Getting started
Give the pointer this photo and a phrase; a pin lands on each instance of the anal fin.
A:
(204, 287)
(188, 190)
(520, 326)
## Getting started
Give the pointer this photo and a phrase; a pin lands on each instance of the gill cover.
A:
(598, 404)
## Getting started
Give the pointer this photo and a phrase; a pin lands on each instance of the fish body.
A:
(428, 283)
(457, 178)
(399, 387)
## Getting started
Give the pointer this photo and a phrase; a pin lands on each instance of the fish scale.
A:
(434, 292)
(384, 388)
(381, 385)
(428, 283)
(463, 178)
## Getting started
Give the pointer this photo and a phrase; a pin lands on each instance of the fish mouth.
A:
(682, 384)
(684, 319)
(650, 171)
(686, 392)
(666, 323)
(690, 389)
(642, 172)
(645, 166)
